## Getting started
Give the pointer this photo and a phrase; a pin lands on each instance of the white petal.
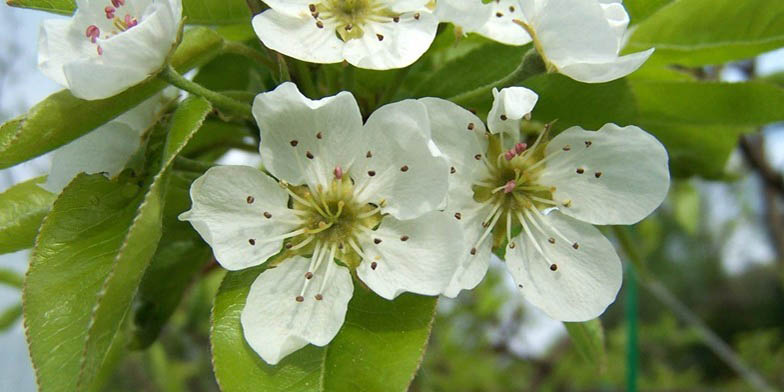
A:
(471, 268)
(146, 45)
(275, 324)
(600, 72)
(294, 8)
(293, 126)
(387, 45)
(501, 27)
(469, 15)
(104, 150)
(625, 173)
(587, 279)
(229, 203)
(90, 80)
(460, 136)
(298, 37)
(144, 114)
(510, 105)
(402, 6)
(423, 263)
(582, 38)
(59, 44)
(404, 169)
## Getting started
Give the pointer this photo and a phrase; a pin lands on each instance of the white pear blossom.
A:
(108, 45)
(581, 39)
(494, 19)
(340, 197)
(551, 193)
(373, 34)
(108, 148)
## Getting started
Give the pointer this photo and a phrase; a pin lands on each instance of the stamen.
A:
(338, 172)
(530, 236)
(509, 229)
(549, 226)
(487, 231)
(92, 32)
(510, 186)
(118, 3)
(355, 247)
(284, 236)
(496, 206)
(520, 148)
(303, 243)
(542, 200)
(369, 213)
(330, 267)
(315, 263)
(109, 10)
(545, 159)
(321, 227)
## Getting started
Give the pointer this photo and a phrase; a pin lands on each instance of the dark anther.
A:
(588, 143)
(320, 25)
(250, 199)
(312, 7)
(503, 117)
(597, 174)
(553, 267)
(319, 297)
(478, 156)
(373, 265)
(404, 168)
(566, 148)
(267, 215)
(308, 275)
(551, 240)
(396, 19)
(252, 241)
(300, 298)
(458, 215)
(580, 171)
(380, 37)
(369, 155)
(309, 155)
(471, 126)
(377, 241)
(319, 135)
(575, 245)
(499, 14)
(416, 16)
(473, 251)
(371, 173)
(294, 143)
(404, 238)
(452, 170)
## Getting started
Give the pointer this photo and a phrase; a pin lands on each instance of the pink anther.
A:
(100, 50)
(520, 148)
(510, 186)
(93, 32)
(118, 3)
(109, 12)
(130, 21)
(338, 173)
(509, 155)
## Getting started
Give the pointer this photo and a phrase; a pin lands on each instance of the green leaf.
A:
(587, 105)
(91, 252)
(709, 103)
(180, 256)
(61, 117)
(700, 122)
(378, 349)
(139, 246)
(11, 278)
(699, 32)
(640, 9)
(74, 253)
(207, 12)
(62, 7)
(22, 208)
(9, 316)
(588, 338)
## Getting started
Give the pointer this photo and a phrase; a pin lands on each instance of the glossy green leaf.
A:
(181, 254)
(710, 103)
(587, 105)
(61, 117)
(378, 349)
(74, 254)
(639, 10)
(91, 253)
(22, 208)
(699, 32)
(139, 246)
(588, 339)
(208, 12)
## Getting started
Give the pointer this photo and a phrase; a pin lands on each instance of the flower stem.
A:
(191, 165)
(171, 76)
(241, 49)
(532, 64)
(305, 79)
(283, 68)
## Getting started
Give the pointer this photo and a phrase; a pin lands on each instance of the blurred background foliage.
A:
(702, 307)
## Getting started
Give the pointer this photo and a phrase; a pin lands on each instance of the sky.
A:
(23, 85)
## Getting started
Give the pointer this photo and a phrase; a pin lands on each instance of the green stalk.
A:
(632, 338)
(241, 49)
(171, 76)
(531, 64)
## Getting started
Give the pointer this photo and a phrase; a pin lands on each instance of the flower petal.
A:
(510, 105)
(402, 166)
(587, 279)
(105, 150)
(416, 255)
(294, 8)
(90, 80)
(472, 266)
(470, 15)
(460, 136)
(388, 45)
(298, 37)
(275, 324)
(501, 27)
(616, 175)
(229, 206)
(600, 72)
(58, 45)
(302, 140)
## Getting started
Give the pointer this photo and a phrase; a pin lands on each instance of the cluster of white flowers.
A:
(414, 199)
